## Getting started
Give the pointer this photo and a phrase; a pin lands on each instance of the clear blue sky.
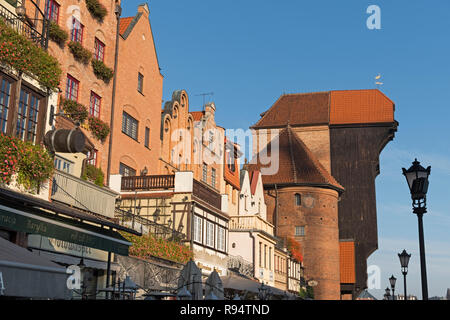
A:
(250, 52)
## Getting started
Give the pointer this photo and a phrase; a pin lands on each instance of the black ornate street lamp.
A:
(392, 281)
(417, 178)
(388, 293)
(264, 292)
(404, 261)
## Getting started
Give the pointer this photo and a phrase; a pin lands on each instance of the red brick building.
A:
(344, 131)
(138, 97)
(302, 202)
(90, 38)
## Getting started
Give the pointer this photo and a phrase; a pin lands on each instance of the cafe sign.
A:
(60, 246)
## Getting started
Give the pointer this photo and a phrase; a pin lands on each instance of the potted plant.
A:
(74, 110)
(80, 54)
(57, 34)
(101, 71)
(97, 10)
(98, 128)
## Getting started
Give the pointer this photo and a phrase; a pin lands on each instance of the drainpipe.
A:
(192, 225)
(118, 12)
(253, 254)
(276, 210)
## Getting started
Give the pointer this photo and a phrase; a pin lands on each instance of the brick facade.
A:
(105, 32)
(135, 39)
(318, 214)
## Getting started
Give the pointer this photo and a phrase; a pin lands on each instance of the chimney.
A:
(144, 8)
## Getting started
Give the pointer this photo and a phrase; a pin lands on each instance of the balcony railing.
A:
(81, 194)
(146, 226)
(35, 30)
(143, 183)
(254, 223)
(207, 194)
(240, 265)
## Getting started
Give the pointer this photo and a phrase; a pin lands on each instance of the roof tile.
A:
(124, 23)
(296, 163)
(347, 261)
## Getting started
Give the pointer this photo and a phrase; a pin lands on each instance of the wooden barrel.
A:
(65, 140)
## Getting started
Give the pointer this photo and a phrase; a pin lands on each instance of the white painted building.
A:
(251, 236)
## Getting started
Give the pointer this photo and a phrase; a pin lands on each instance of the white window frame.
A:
(221, 238)
(198, 228)
(210, 234)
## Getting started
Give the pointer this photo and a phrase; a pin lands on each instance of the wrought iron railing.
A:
(142, 183)
(238, 264)
(207, 194)
(128, 219)
(35, 30)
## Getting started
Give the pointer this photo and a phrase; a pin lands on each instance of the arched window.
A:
(298, 200)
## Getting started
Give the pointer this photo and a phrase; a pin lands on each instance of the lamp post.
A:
(392, 281)
(388, 293)
(417, 178)
(264, 292)
(404, 261)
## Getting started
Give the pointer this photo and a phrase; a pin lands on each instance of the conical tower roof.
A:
(297, 165)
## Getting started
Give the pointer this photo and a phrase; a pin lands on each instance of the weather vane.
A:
(378, 82)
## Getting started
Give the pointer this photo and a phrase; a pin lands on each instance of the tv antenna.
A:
(204, 95)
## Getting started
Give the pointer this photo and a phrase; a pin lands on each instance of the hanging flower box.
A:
(57, 34)
(80, 54)
(97, 10)
(74, 110)
(101, 71)
(98, 128)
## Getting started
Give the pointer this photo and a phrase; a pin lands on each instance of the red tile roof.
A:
(124, 23)
(360, 106)
(332, 107)
(254, 181)
(297, 109)
(296, 164)
(347, 261)
(197, 115)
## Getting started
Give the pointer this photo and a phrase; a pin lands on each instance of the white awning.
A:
(28, 275)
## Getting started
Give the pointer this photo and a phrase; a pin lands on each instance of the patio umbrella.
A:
(214, 285)
(191, 279)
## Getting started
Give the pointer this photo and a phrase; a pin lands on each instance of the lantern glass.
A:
(404, 259)
(416, 171)
(392, 281)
